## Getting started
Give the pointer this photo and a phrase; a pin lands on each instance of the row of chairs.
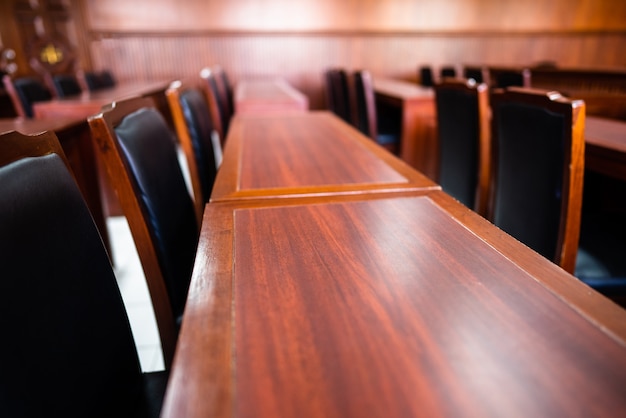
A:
(25, 91)
(72, 348)
(494, 77)
(516, 156)
(351, 97)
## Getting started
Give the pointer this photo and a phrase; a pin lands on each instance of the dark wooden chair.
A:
(198, 138)
(338, 93)
(538, 162)
(366, 117)
(66, 85)
(509, 77)
(217, 106)
(425, 76)
(225, 90)
(447, 71)
(464, 141)
(24, 92)
(68, 348)
(478, 74)
(96, 80)
(140, 157)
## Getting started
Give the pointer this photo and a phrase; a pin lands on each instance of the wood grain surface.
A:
(410, 306)
(305, 154)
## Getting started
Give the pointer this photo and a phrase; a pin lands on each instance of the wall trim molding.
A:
(103, 34)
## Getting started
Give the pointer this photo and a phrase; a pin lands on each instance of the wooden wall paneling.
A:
(301, 58)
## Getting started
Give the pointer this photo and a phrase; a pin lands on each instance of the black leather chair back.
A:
(151, 155)
(426, 76)
(200, 127)
(68, 348)
(447, 72)
(474, 73)
(459, 140)
(29, 91)
(337, 80)
(532, 152)
(66, 85)
(366, 115)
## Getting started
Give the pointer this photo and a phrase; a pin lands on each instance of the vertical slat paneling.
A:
(301, 59)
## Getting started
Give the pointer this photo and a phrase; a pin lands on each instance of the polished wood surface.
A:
(75, 138)
(605, 146)
(418, 143)
(268, 96)
(89, 103)
(404, 306)
(307, 153)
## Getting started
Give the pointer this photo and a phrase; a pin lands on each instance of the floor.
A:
(134, 291)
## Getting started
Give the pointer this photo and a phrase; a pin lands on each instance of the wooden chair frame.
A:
(573, 163)
(173, 94)
(103, 132)
(481, 91)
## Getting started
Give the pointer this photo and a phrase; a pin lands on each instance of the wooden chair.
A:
(96, 80)
(24, 92)
(217, 107)
(509, 77)
(366, 117)
(66, 85)
(68, 348)
(425, 76)
(140, 156)
(464, 141)
(478, 74)
(538, 162)
(198, 138)
(225, 90)
(338, 93)
(447, 71)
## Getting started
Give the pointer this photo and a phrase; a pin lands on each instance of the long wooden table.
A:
(306, 153)
(376, 303)
(89, 103)
(263, 96)
(381, 306)
(75, 138)
(418, 142)
(605, 146)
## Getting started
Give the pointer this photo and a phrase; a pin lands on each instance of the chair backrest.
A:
(537, 177)
(365, 104)
(225, 90)
(425, 75)
(24, 92)
(141, 160)
(98, 80)
(503, 78)
(447, 72)
(197, 137)
(66, 85)
(217, 107)
(464, 141)
(475, 73)
(339, 90)
(68, 348)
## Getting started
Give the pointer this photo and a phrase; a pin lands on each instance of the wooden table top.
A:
(307, 153)
(605, 146)
(268, 96)
(89, 103)
(387, 307)
(30, 126)
(404, 90)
